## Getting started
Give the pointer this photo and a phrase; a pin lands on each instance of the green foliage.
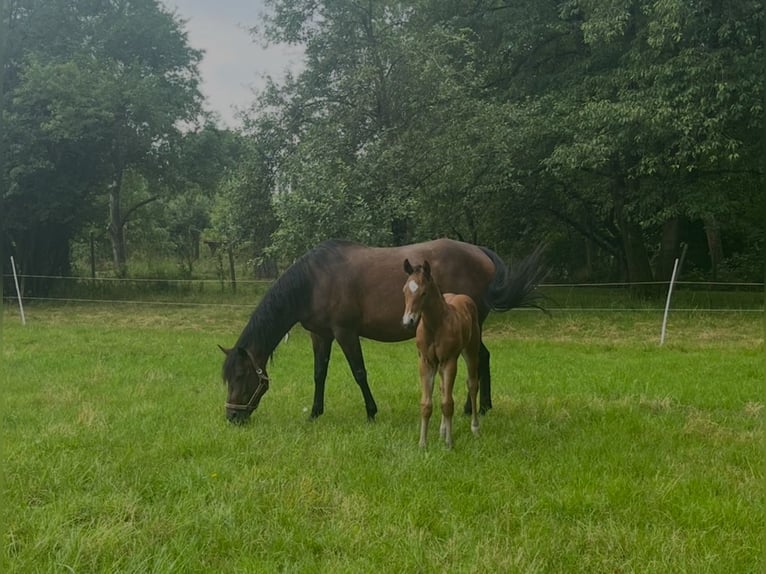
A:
(611, 131)
(500, 122)
(92, 90)
(243, 213)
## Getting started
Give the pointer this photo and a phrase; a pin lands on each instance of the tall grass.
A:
(603, 453)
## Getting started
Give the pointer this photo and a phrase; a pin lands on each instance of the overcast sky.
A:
(233, 64)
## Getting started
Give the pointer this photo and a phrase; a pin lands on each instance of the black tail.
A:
(516, 287)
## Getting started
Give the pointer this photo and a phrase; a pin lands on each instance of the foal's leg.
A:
(352, 348)
(427, 374)
(322, 347)
(472, 364)
(447, 371)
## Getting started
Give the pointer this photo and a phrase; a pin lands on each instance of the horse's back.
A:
(360, 288)
(464, 304)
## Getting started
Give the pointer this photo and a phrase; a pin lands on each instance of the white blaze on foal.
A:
(410, 318)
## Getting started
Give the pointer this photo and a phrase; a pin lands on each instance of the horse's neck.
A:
(271, 320)
(435, 309)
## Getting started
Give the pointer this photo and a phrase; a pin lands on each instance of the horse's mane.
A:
(286, 300)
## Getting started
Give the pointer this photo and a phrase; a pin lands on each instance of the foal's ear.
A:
(408, 267)
(224, 351)
(427, 268)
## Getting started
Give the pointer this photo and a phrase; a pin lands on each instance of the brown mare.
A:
(447, 327)
(341, 291)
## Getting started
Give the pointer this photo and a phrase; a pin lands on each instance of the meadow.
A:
(603, 453)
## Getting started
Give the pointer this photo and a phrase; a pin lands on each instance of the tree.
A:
(243, 214)
(207, 157)
(640, 106)
(95, 90)
(614, 126)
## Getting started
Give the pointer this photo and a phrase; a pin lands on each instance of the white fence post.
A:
(18, 291)
(667, 303)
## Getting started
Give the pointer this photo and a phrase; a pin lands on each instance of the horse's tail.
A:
(517, 286)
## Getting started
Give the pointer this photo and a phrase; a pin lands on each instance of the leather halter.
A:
(263, 381)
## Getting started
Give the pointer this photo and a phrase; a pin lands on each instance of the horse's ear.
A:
(224, 351)
(408, 267)
(427, 268)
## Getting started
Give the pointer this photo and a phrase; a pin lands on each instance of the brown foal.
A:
(447, 326)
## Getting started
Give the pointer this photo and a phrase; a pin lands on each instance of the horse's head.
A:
(416, 287)
(247, 382)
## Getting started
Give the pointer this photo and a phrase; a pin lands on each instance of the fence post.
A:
(92, 258)
(232, 271)
(18, 291)
(667, 302)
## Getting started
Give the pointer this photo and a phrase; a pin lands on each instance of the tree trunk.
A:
(41, 253)
(636, 256)
(637, 267)
(669, 248)
(232, 269)
(117, 229)
(715, 249)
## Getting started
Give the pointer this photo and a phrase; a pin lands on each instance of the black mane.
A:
(286, 301)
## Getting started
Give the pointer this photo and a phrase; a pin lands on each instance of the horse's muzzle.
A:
(410, 320)
(238, 417)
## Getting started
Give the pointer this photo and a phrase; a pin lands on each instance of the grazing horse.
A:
(447, 327)
(341, 291)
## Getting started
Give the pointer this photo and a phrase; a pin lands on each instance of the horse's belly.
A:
(386, 333)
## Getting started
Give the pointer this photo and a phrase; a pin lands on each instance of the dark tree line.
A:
(614, 132)
(92, 94)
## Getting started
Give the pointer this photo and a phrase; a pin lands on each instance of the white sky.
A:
(234, 64)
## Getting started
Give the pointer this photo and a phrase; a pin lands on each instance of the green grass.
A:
(603, 453)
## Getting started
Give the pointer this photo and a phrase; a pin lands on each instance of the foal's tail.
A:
(516, 287)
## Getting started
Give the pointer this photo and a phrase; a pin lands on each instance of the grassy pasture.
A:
(603, 453)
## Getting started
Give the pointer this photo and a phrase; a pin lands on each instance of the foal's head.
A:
(419, 283)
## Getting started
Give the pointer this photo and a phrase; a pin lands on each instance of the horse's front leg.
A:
(352, 349)
(427, 374)
(447, 372)
(322, 346)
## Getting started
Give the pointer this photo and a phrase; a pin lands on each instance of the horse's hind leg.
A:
(485, 383)
(322, 347)
(471, 361)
